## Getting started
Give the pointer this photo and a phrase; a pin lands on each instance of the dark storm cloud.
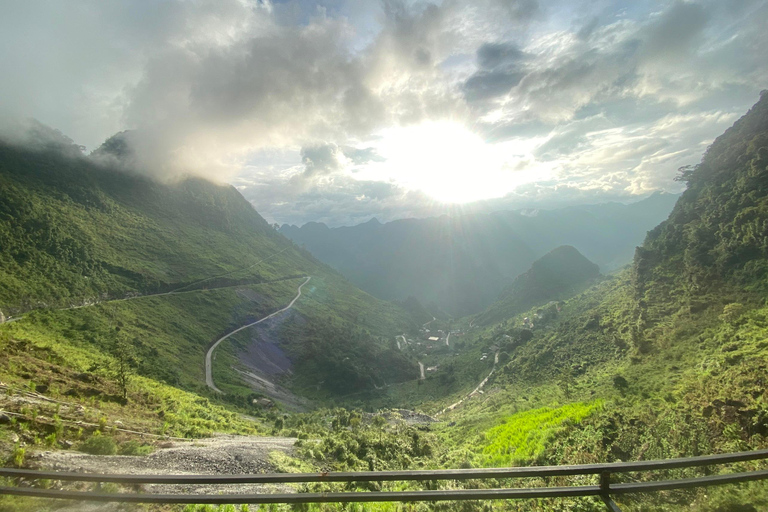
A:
(491, 84)
(500, 70)
(494, 55)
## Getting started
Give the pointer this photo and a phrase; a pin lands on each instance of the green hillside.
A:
(557, 275)
(76, 233)
(666, 358)
(674, 346)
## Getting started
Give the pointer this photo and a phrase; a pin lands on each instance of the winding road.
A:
(209, 354)
(477, 389)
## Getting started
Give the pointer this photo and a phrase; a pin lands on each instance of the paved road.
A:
(209, 355)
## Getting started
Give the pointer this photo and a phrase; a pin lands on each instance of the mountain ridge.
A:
(462, 263)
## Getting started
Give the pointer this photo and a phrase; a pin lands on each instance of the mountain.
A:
(676, 343)
(666, 358)
(97, 260)
(663, 359)
(557, 275)
(462, 263)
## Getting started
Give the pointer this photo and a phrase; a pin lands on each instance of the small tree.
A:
(566, 382)
(732, 312)
(122, 370)
(379, 422)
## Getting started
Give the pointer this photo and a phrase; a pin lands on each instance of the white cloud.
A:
(344, 109)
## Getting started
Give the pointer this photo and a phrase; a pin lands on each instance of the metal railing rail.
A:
(604, 490)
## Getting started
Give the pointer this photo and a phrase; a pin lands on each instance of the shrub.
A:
(18, 456)
(98, 444)
(133, 447)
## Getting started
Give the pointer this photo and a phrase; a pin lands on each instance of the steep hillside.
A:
(557, 275)
(674, 345)
(193, 259)
(664, 359)
(462, 263)
(72, 230)
(716, 238)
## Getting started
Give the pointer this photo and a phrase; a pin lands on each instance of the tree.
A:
(566, 382)
(732, 312)
(379, 422)
(124, 358)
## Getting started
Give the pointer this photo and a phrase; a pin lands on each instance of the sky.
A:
(343, 110)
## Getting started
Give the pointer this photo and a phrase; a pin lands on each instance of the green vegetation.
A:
(98, 444)
(525, 436)
(664, 359)
(462, 262)
(557, 275)
(74, 233)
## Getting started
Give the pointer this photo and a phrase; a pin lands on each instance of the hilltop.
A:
(557, 275)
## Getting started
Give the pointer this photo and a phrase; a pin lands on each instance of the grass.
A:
(523, 437)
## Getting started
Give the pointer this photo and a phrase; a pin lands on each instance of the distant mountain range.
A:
(460, 264)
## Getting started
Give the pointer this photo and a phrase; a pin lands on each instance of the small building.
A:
(434, 338)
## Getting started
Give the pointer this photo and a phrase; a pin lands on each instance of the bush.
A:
(133, 447)
(98, 444)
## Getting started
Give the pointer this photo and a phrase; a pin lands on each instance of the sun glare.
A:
(450, 163)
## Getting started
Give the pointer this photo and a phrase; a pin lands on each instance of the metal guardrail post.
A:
(605, 492)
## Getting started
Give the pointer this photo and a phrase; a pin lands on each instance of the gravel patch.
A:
(221, 455)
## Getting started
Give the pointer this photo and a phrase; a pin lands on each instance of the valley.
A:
(146, 336)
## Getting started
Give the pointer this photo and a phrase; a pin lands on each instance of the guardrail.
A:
(604, 490)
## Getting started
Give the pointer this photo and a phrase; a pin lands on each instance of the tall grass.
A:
(523, 436)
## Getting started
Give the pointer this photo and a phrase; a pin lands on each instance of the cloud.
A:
(676, 33)
(293, 100)
(321, 159)
(338, 199)
(361, 156)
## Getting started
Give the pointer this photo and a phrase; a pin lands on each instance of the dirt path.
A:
(221, 455)
(231, 271)
(421, 370)
(209, 354)
(475, 391)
